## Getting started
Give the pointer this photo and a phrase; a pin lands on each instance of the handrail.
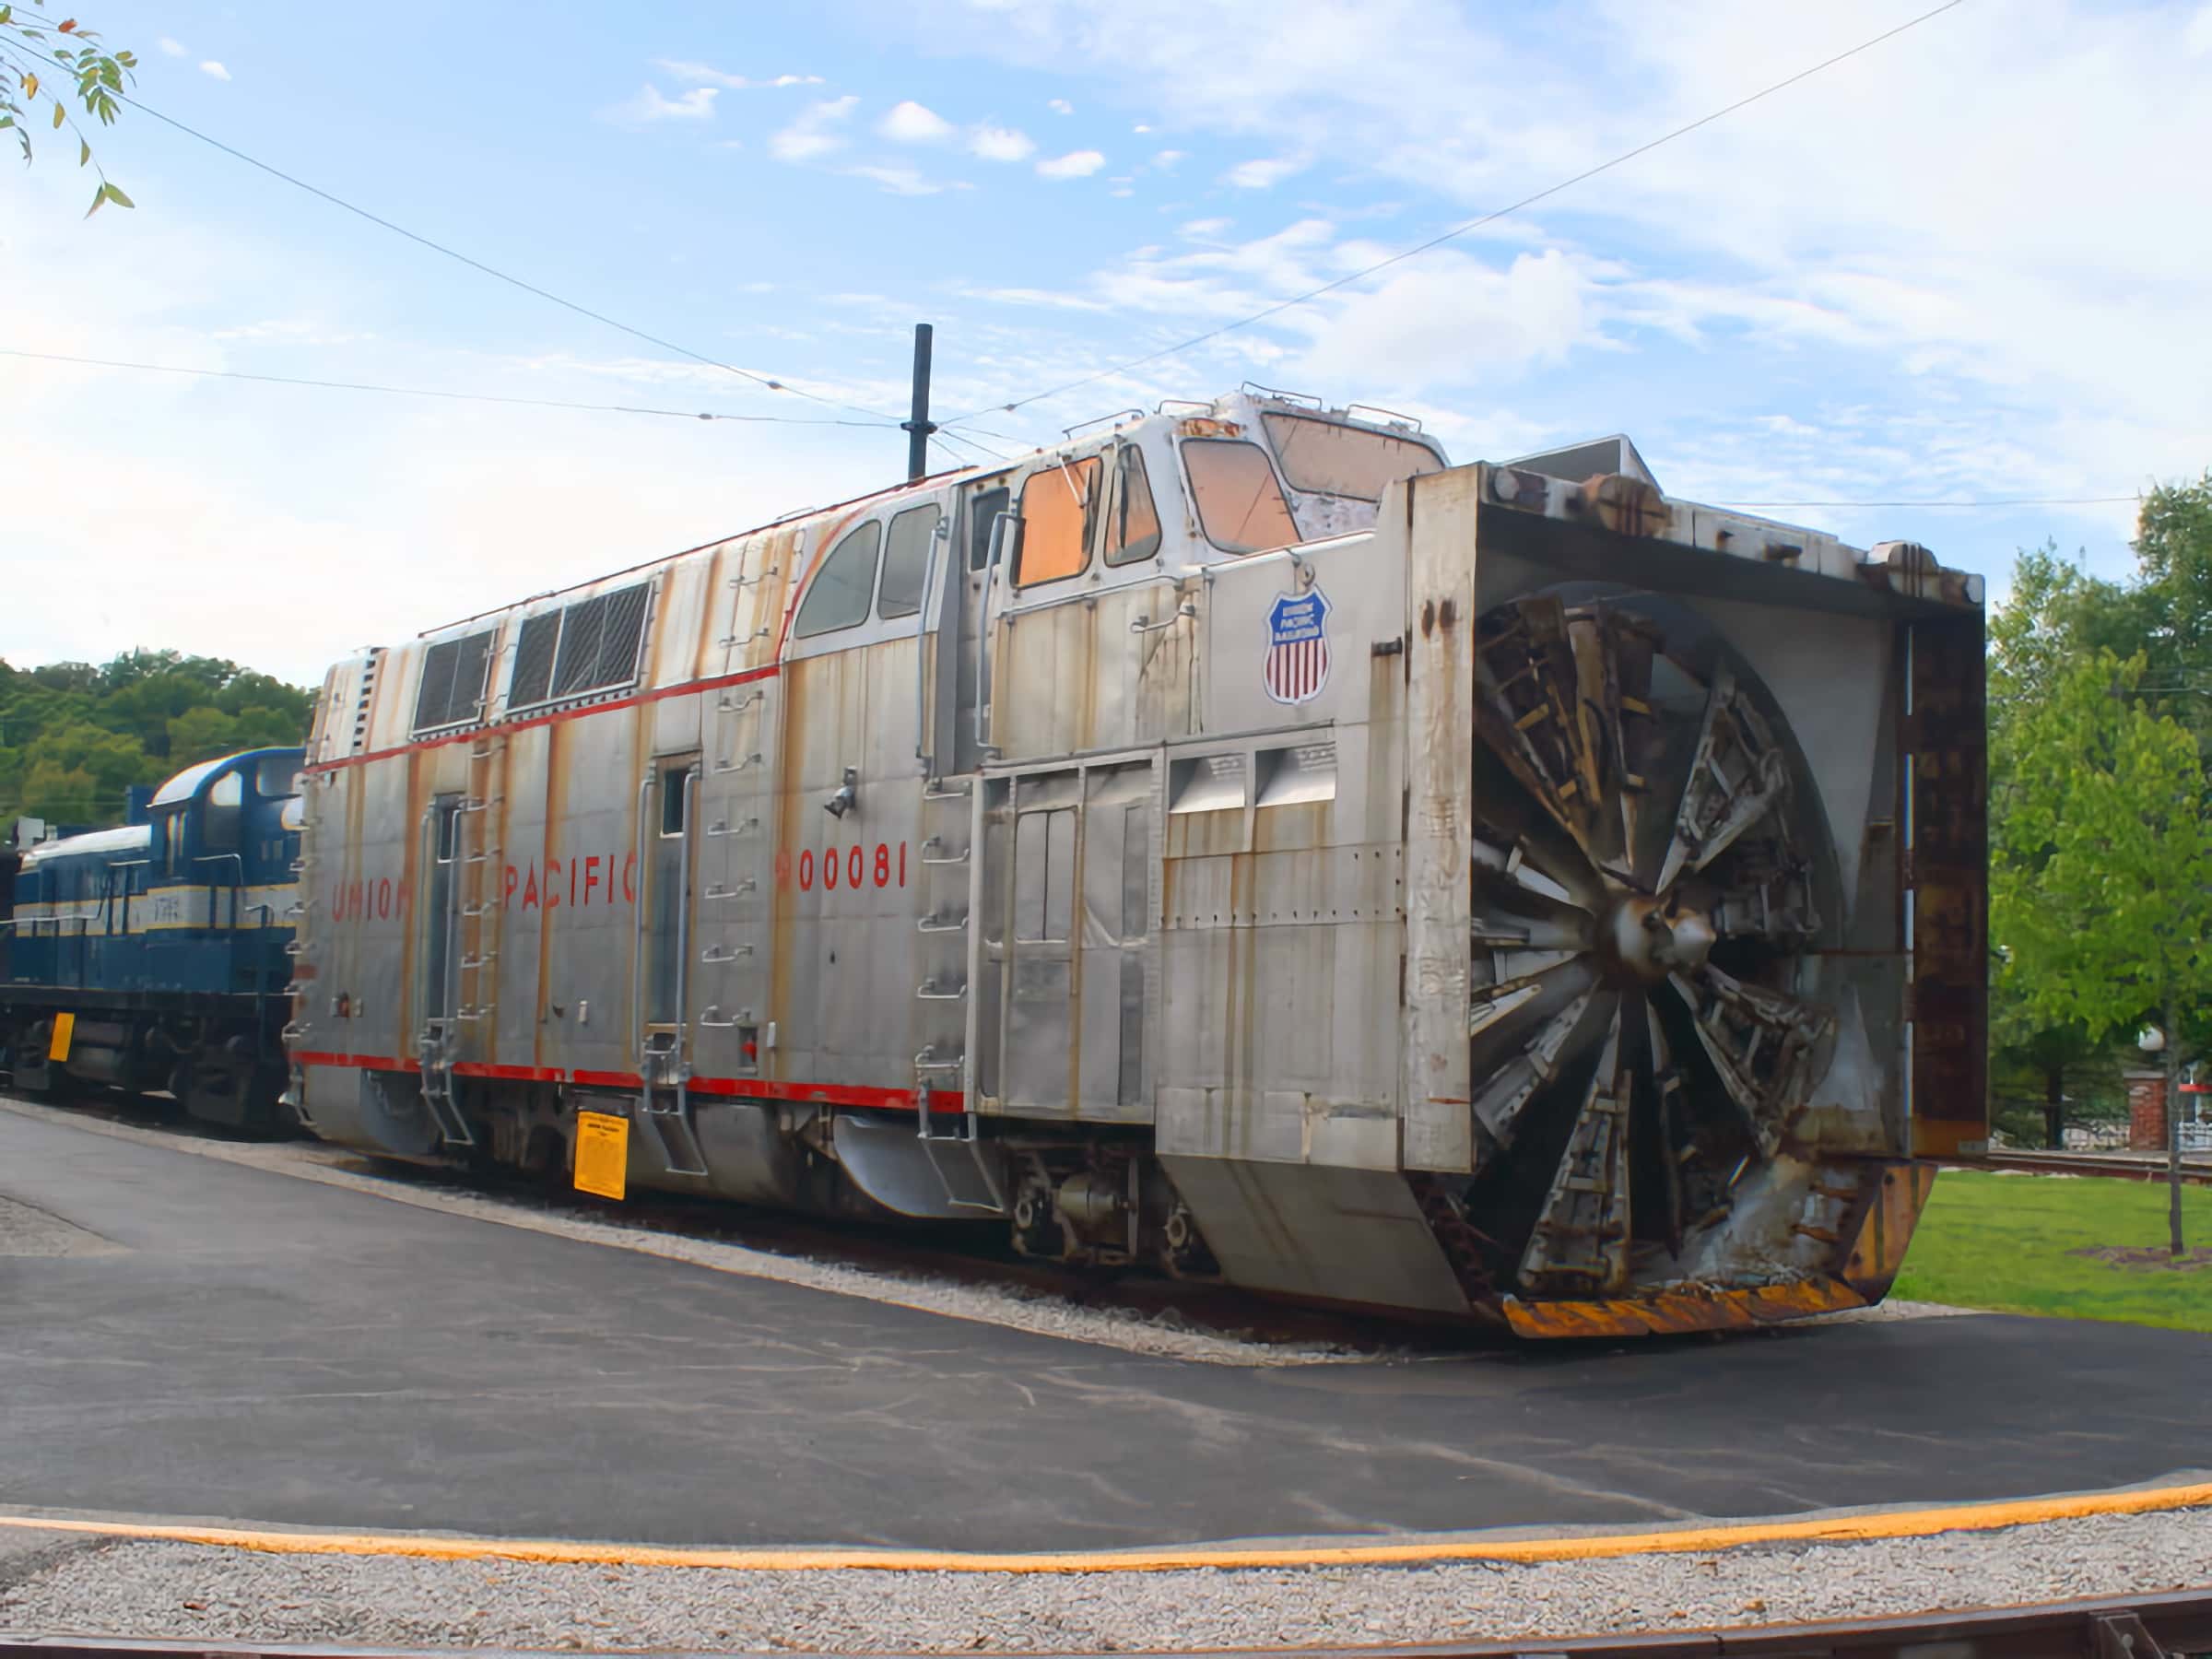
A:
(938, 538)
(637, 926)
(683, 927)
(425, 851)
(1003, 524)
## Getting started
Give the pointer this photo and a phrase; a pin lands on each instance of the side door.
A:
(1065, 957)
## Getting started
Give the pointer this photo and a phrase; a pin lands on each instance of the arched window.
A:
(906, 561)
(845, 586)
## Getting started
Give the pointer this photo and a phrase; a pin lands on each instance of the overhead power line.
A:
(767, 381)
(2007, 501)
(486, 397)
(1473, 224)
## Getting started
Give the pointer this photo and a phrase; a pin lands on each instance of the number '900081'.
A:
(853, 867)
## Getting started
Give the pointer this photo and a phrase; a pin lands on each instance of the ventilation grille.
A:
(593, 645)
(451, 691)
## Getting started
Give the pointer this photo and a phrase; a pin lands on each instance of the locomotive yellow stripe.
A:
(1857, 1528)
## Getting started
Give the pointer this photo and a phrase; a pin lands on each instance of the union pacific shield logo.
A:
(1296, 666)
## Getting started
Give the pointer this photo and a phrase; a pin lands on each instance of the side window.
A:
(840, 594)
(1135, 532)
(274, 779)
(1241, 506)
(1059, 505)
(219, 814)
(982, 510)
(906, 561)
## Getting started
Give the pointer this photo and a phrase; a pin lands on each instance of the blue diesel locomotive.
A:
(156, 956)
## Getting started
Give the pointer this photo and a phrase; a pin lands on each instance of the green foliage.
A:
(2057, 619)
(2101, 878)
(2005, 1241)
(73, 65)
(73, 736)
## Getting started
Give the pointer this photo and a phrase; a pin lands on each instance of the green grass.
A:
(2001, 1243)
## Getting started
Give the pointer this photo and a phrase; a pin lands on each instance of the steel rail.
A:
(2128, 1627)
(2197, 1171)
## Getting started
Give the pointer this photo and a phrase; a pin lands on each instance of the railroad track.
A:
(2195, 1170)
(2136, 1627)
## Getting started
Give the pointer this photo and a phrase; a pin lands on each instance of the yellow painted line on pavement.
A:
(1842, 1529)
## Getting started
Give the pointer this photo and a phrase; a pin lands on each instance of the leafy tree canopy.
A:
(75, 736)
(49, 63)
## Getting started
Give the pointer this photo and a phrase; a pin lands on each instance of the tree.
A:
(2056, 614)
(72, 734)
(2101, 878)
(75, 66)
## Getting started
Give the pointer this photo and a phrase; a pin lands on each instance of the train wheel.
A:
(1651, 868)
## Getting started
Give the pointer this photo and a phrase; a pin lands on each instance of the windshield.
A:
(1329, 458)
(1241, 506)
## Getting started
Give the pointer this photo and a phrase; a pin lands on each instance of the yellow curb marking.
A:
(1847, 1529)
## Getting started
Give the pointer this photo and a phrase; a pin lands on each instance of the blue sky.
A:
(1957, 266)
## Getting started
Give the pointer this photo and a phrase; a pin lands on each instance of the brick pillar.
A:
(2145, 1110)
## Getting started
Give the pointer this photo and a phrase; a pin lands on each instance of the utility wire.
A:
(537, 402)
(2012, 501)
(437, 247)
(1474, 224)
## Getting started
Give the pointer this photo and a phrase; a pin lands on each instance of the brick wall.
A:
(2145, 1110)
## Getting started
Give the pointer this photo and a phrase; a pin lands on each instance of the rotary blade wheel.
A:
(1646, 859)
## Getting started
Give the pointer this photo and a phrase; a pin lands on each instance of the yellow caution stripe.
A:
(1842, 1529)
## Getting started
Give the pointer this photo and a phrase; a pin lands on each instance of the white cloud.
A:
(1261, 174)
(1203, 228)
(1140, 127)
(1121, 190)
(2197, 38)
(1166, 161)
(173, 48)
(1060, 106)
(900, 180)
(1076, 164)
(808, 138)
(1001, 144)
(215, 69)
(685, 70)
(909, 122)
(650, 104)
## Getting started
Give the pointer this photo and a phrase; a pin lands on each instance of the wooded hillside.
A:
(72, 736)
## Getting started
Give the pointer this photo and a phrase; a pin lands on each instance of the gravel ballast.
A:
(198, 1592)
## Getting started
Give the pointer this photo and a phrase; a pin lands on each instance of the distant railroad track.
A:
(2195, 1170)
(2135, 1626)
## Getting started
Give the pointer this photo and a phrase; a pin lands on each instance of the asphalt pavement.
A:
(184, 1336)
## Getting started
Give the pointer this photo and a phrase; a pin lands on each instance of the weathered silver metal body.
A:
(1059, 862)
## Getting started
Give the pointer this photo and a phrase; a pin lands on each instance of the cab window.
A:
(1323, 457)
(1134, 530)
(842, 591)
(1058, 507)
(219, 813)
(906, 561)
(1241, 506)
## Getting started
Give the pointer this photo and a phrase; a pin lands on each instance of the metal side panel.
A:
(1304, 1230)
(1439, 512)
(1947, 852)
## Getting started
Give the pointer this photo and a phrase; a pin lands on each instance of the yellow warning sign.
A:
(602, 1154)
(64, 1028)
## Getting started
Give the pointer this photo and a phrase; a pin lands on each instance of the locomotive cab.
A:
(152, 956)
